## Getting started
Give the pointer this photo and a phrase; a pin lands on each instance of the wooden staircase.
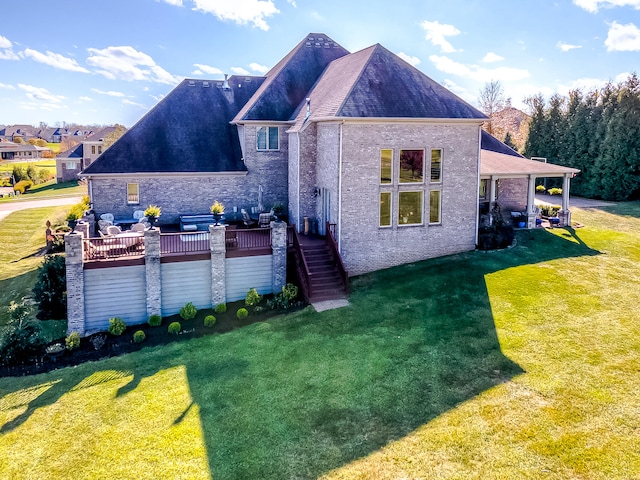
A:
(319, 267)
(325, 279)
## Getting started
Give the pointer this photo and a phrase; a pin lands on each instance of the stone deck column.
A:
(531, 202)
(279, 250)
(565, 214)
(152, 271)
(75, 282)
(218, 265)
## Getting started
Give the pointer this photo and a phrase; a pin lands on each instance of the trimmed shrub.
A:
(116, 326)
(72, 341)
(253, 298)
(209, 321)
(242, 313)
(221, 308)
(98, 341)
(22, 186)
(155, 320)
(285, 299)
(174, 328)
(554, 191)
(51, 288)
(139, 336)
(21, 336)
(188, 311)
(540, 189)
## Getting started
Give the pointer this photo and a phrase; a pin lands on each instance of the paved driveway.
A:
(578, 202)
(10, 207)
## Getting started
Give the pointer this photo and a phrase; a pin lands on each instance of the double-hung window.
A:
(133, 193)
(267, 138)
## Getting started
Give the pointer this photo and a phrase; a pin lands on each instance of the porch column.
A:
(218, 265)
(75, 282)
(531, 202)
(492, 197)
(152, 271)
(279, 250)
(565, 214)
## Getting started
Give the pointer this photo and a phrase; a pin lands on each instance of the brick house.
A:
(361, 140)
(70, 163)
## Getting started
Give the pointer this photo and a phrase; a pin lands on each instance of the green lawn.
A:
(516, 364)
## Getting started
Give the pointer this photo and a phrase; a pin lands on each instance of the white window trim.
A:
(136, 202)
(439, 222)
(267, 149)
(424, 154)
(421, 223)
(390, 192)
(436, 182)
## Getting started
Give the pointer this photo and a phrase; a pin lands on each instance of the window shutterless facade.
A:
(410, 207)
(267, 138)
(434, 206)
(133, 193)
(436, 165)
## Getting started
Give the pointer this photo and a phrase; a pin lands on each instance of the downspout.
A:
(478, 185)
(340, 190)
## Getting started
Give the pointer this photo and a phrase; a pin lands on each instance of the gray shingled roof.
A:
(188, 131)
(375, 83)
(490, 143)
(288, 83)
(76, 151)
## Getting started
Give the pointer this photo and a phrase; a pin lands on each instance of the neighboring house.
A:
(361, 140)
(23, 152)
(70, 163)
(11, 132)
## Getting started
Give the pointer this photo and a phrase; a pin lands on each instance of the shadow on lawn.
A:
(300, 396)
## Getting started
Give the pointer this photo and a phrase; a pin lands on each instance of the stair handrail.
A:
(330, 228)
(302, 268)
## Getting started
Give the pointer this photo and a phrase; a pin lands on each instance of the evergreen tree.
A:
(509, 142)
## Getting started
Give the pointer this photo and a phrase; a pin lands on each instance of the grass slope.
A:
(515, 364)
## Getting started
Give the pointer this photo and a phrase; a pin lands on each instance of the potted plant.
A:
(72, 218)
(55, 350)
(218, 210)
(152, 213)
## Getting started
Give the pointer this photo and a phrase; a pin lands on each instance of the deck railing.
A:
(249, 239)
(333, 246)
(302, 269)
(184, 243)
(113, 247)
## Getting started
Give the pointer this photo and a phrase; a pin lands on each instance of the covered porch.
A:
(510, 182)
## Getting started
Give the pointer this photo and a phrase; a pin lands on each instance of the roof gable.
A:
(288, 83)
(188, 131)
(389, 87)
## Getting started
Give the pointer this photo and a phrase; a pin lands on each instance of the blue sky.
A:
(109, 62)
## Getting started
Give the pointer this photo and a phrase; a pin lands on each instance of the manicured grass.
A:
(514, 364)
(49, 189)
(21, 237)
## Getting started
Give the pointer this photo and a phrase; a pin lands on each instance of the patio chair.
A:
(264, 220)
(102, 226)
(113, 230)
(107, 217)
(138, 227)
(246, 219)
(138, 214)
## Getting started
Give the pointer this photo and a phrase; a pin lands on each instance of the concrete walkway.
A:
(10, 207)
(578, 202)
(330, 304)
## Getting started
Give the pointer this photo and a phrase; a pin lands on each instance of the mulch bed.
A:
(119, 345)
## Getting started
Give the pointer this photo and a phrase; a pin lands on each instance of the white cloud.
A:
(86, 99)
(8, 87)
(593, 5)
(436, 33)
(176, 3)
(565, 47)
(588, 84)
(623, 38)
(445, 64)
(202, 69)
(6, 52)
(129, 102)
(241, 12)
(110, 93)
(460, 91)
(492, 57)
(5, 42)
(54, 60)
(40, 94)
(256, 67)
(239, 71)
(409, 59)
(292, 2)
(126, 63)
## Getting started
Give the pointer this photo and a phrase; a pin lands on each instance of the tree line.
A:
(597, 132)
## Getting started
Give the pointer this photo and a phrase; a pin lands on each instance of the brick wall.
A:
(192, 194)
(367, 247)
(512, 194)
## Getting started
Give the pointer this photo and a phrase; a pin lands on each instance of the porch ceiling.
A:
(499, 164)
